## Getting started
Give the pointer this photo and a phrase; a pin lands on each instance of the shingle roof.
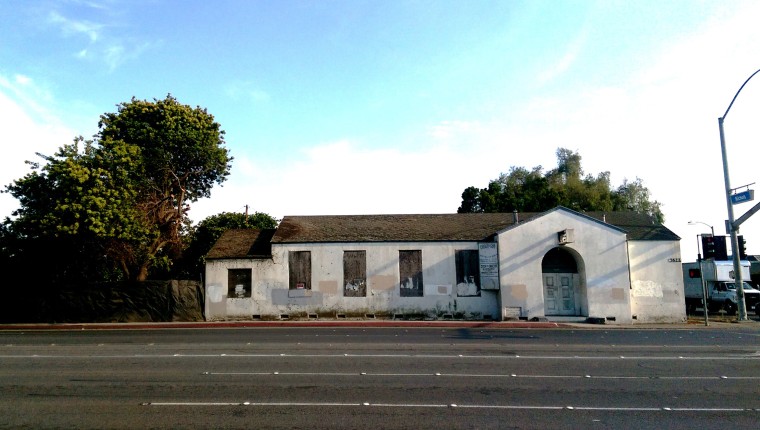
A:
(442, 227)
(410, 228)
(637, 225)
(243, 243)
(390, 228)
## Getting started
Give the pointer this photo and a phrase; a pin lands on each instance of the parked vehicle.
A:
(720, 285)
(754, 270)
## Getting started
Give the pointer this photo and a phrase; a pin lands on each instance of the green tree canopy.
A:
(533, 190)
(122, 198)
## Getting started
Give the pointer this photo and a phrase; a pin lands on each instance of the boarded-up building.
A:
(622, 267)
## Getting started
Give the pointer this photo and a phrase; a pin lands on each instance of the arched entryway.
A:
(561, 281)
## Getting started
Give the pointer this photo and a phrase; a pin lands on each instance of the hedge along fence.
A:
(150, 301)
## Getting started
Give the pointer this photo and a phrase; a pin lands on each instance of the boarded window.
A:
(299, 270)
(410, 273)
(468, 273)
(355, 273)
(238, 283)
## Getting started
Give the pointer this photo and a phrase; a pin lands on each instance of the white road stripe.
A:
(395, 356)
(474, 375)
(450, 405)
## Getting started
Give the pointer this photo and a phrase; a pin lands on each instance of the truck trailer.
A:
(718, 277)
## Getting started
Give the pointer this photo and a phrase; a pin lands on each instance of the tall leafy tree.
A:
(634, 196)
(122, 199)
(182, 157)
(75, 208)
(566, 185)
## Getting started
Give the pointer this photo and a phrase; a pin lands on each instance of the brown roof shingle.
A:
(390, 228)
(443, 227)
(243, 243)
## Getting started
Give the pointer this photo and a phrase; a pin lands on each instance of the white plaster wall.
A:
(272, 297)
(601, 254)
(265, 276)
(657, 293)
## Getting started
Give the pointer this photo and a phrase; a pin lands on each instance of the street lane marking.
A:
(449, 405)
(477, 375)
(748, 356)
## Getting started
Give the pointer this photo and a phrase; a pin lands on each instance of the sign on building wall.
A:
(488, 255)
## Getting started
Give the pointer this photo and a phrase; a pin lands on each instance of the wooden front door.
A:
(559, 294)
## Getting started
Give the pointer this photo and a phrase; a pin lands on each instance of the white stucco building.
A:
(621, 267)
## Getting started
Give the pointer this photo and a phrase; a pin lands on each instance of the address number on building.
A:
(674, 260)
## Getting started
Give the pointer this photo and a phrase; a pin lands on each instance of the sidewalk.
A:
(692, 323)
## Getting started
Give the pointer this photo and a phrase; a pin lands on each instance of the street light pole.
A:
(712, 230)
(702, 278)
(742, 311)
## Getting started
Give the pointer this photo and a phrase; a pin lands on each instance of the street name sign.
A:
(744, 196)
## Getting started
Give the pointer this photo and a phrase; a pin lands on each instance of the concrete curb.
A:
(365, 324)
(275, 324)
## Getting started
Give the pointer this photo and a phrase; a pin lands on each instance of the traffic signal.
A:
(708, 246)
(714, 247)
(721, 252)
(742, 247)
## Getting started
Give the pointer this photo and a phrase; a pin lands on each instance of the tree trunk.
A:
(142, 273)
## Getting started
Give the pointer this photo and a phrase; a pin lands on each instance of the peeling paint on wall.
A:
(437, 290)
(215, 293)
(281, 297)
(238, 306)
(646, 289)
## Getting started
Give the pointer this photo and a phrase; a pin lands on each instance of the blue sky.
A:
(365, 107)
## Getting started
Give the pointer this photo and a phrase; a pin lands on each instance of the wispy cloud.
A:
(566, 61)
(93, 4)
(72, 26)
(28, 96)
(238, 90)
(29, 125)
(104, 44)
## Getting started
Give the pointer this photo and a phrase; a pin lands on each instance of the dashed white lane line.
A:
(449, 405)
(752, 356)
(481, 375)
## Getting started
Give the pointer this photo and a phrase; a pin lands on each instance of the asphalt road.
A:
(382, 378)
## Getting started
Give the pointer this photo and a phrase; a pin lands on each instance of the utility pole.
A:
(733, 226)
(702, 278)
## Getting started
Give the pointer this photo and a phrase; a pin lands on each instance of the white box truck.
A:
(721, 288)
